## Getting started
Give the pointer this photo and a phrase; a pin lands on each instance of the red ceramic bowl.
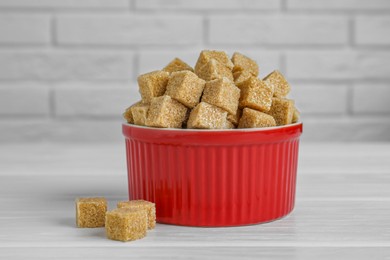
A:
(214, 177)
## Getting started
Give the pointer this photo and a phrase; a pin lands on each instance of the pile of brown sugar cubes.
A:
(219, 93)
(129, 221)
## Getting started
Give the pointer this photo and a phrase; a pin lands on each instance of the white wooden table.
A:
(342, 209)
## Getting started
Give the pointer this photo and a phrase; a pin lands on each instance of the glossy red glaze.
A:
(214, 177)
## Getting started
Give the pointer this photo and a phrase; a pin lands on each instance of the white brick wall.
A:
(68, 68)
(128, 30)
(24, 29)
(206, 5)
(277, 30)
(373, 30)
(94, 99)
(24, 99)
(338, 5)
(65, 4)
(51, 64)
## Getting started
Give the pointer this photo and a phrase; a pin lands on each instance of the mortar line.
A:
(52, 106)
(350, 93)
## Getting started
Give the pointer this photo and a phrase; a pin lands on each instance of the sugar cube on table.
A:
(126, 224)
(223, 94)
(185, 87)
(150, 208)
(90, 212)
(252, 118)
(152, 84)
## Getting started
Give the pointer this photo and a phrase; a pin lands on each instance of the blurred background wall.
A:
(68, 68)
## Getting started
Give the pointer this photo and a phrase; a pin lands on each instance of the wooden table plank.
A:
(129, 251)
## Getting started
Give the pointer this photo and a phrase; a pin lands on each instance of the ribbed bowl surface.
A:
(214, 177)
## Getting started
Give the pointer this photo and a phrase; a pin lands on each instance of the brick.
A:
(64, 131)
(24, 29)
(371, 98)
(128, 30)
(320, 99)
(14, 130)
(363, 5)
(24, 99)
(365, 129)
(372, 30)
(338, 65)
(50, 65)
(282, 30)
(61, 4)
(157, 60)
(94, 99)
(208, 5)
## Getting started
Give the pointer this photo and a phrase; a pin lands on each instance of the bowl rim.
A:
(258, 129)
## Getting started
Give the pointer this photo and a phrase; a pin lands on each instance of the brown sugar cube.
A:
(214, 70)
(296, 116)
(166, 112)
(185, 87)
(280, 84)
(177, 65)
(128, 115)
(282, 110)
(126, 224)
(234, 119)
(223, 94)
(241, 76)
(152, 84)
(229, 125)
(206, 55)
(252, 118)
(150, 208)
(243, 63)
(184, 125)
(90, 212)
(256, 94)
(206, 116)
(140, 113)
